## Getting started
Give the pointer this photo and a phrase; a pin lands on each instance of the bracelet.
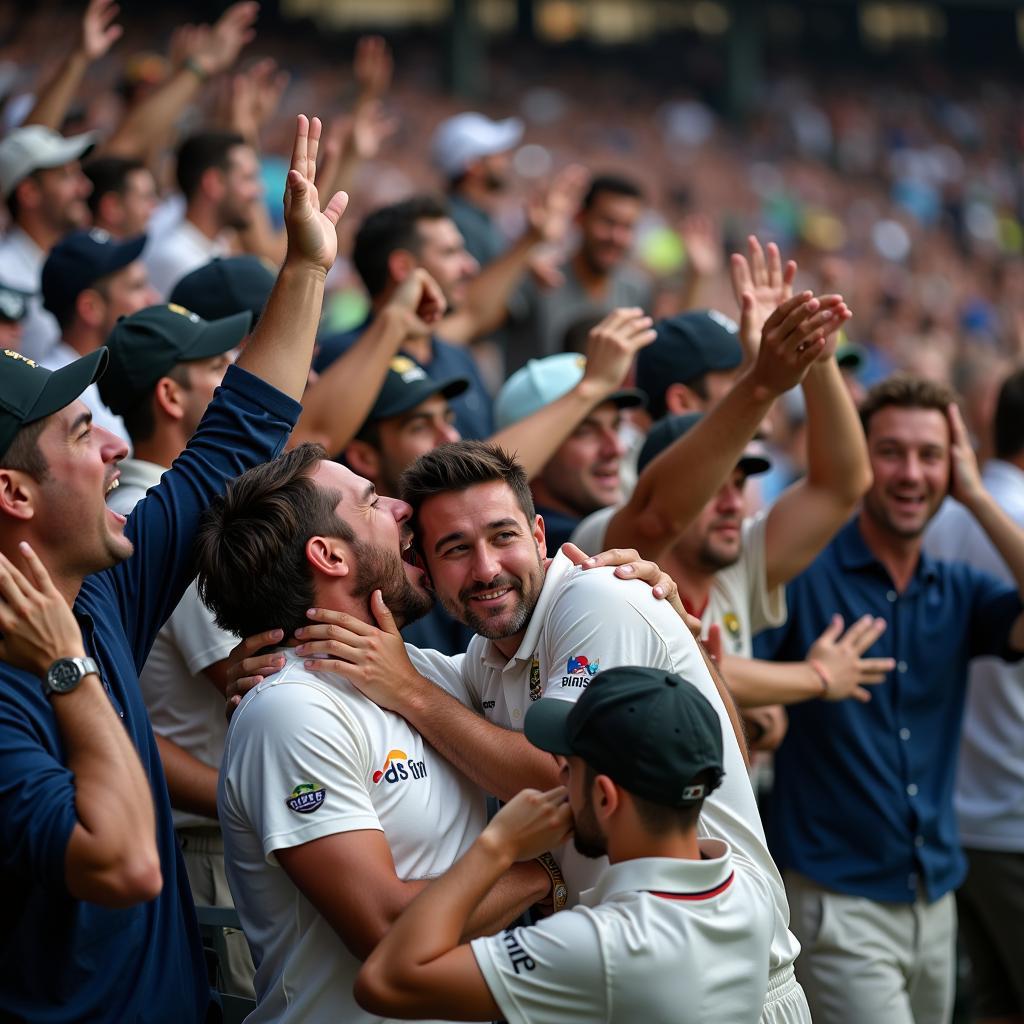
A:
(559, 892)
(197, 69)
(822, 673)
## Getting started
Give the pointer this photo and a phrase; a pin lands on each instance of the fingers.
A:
(382, 613)
(300, 146)
(339, 650)
(957, 429)
(758, 267)
(774, 266)
(339, 621)
(613, 556)
(575, 554)
(864, 632)
(739, 272)
(36, 570)
(312, 146)
(14, 588)
(256, 642)
(875, 670)
(784, 309)
(833, 630)
(860, 694)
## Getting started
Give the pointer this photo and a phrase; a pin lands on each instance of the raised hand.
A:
(766, 281)
(530, 824)
(367, 131)
(312, 233)
(613, 344)
(550, 212)
(837, 658)
(218, 49)
(420, 302)
(372, 67)
(703, 244)
(36, 623)
(965, 477)
(98, 31)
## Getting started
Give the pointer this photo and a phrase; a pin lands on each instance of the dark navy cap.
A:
(406, 385)
(80, 259)
(686, 347)
(223, 287)
(671, 428)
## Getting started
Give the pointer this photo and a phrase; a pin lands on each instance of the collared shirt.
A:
(657, 939)
(474, 416)
(21, 267)
(61, 355)
(178, 252)
(989, 795)
(484, 242)
(864, 792)
(65, 959)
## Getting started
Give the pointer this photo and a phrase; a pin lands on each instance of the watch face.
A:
(64, 675)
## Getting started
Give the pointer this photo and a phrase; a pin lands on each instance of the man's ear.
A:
(364, 459)
(167, 396)
(679, 399)
(110, 209)
(90, 307)
(604, 797)
(328, 556)
(401, 263)
(212, 184)
(29, 194)
(16, 498)
(538, 536)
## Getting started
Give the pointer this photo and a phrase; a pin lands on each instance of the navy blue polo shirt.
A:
(63, 959)
(863, 795)
(558, 528)
(474, 415)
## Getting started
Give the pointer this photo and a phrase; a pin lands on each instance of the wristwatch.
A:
(65, 674)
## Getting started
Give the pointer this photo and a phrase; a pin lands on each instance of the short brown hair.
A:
(250, 546)
(459, 465)
(24, 453)
(905, 392)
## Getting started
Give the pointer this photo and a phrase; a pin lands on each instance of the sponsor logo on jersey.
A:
(398, 766)
(516, 953)
(487, 705)
(579, 670)
(307, 797)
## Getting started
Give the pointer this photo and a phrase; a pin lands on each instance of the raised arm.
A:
(111, 856)
(682, 479)
(98, 33)
(611, 348)
(486, 302)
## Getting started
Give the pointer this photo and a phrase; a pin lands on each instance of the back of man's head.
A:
(199, 153)
(1009, 419)
(610, 184)
(387, 229)
(250, 548)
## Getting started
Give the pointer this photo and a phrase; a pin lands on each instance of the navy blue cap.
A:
(671, 428)
(406, 385)
(224, 287)
(686, 347)
(78, 260)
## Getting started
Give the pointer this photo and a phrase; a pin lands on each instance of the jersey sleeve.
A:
(599, 623)
(767, 607)
(298, 767)
(444, 670)
(197, 637)
(554, 970)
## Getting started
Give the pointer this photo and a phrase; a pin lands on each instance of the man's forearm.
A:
(191, 784)
(753, 682)
(501, 762)
(1006, 536)
(153, 117)
(281, 347)
(53, 101)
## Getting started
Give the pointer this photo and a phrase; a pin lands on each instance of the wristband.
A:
(559, 892)
(822, 674)
(197, 69)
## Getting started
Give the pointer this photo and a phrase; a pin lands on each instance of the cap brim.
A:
(628, 398)
(751, 465)
(74, 148)
(547, 725)
(67, 384)
(219, 336)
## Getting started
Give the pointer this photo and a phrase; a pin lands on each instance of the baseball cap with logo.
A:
(650, 731)
(541, 381)
(78, 260)
(28, 392)
(147, 345)
(37, 148)
(13, 304)
(686, 347)
(466, 137)
(224, 287)
(671, 428)
(406, 385)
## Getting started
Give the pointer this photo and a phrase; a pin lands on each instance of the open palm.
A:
(312, 232)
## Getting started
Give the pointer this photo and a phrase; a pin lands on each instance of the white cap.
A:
(34, 148)
(466, 137)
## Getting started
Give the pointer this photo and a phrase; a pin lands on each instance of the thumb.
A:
(382, 613)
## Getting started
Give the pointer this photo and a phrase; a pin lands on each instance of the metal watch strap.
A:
(86, 666)
(559, 891)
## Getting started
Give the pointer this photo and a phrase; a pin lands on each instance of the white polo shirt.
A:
(178, 252)
(657, 939)
(21, 267)
(309, 756)
(739, 601)
(587, 621)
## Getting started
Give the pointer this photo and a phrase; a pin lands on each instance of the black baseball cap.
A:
(29, 392)
(406, 385)
(224, 287)
(148, 344)
(649, 730)
(686, 347)
(78, 260)
(671, 428)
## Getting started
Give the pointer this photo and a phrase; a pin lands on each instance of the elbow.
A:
(120, 881)
(373, 991)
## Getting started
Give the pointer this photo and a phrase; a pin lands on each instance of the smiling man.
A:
(885, 769)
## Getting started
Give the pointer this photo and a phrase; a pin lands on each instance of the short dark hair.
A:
(24, 453)
(615, 184)
(458, 466)
(250, 546)
(109, 174)
(658, 818)
(198, 153)
(387, 229)
(140, 420)
(1009, 419)
(905, 392)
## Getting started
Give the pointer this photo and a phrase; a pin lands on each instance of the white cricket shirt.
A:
(309, 756)
(656, 940)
